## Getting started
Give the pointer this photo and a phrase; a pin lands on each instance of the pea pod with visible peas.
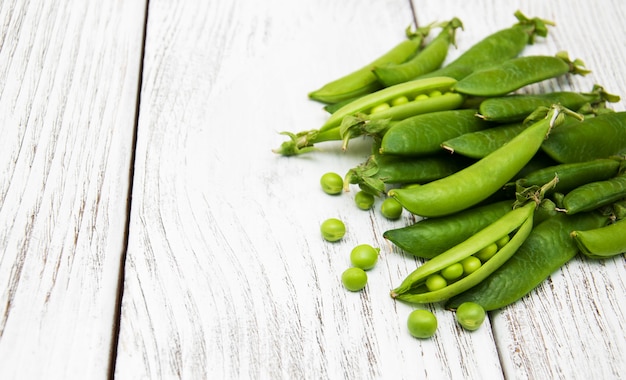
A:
(363, 81)
(427, 60)
(602, 242)
(594, 195)
(517, 107)
(380, 170)
(482, 179)
(423, 134)
(515, 225)
(495, 48)
(432, 236)
(516, 73)
(546, 249)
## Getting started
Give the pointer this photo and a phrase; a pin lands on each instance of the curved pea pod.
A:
(517, 222)
(481, 143)
(495, 48)
(425, 61)
(601, 136)
(602, 242)
(517, 107)
(594, 195)
(400, 101)
(363, 81)
(423, 134)
(516, 73)
(378, 171)
(482, 179)
(573, 175)
(430, 237)
(547, 248)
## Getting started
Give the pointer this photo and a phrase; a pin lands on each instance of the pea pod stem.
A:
(480, 180)
(518, 220)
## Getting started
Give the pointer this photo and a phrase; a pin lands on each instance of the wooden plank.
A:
(69, 74)
(226, 275)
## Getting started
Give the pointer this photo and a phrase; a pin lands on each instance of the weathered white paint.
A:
(226, 275)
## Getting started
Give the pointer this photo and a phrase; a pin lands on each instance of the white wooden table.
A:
(148, 231)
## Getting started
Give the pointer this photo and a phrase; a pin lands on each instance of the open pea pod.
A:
(602, 242)
(513, 228)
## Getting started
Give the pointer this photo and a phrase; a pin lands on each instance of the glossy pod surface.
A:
(595, 137)
(546, 249)
(480, 143)
(430, 237)
(602, 242)
(480, 180)
(593, 195)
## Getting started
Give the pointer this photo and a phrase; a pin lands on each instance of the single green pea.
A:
(502, 241)
(332, 183)
(422, 323)
(354, 279)
(399, 100)
(435, 282)
(452, 272)
(391, 208)
(333, 229)
(487, 252)
(470, 315)
(380, 107)
(470, 264)
(364, 200)
(364, 256)
(432, 94)
(421, 97)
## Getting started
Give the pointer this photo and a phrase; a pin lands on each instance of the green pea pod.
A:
(423, 134)
(602, 242)
(518, 222)
(430, 237)
(479, 144)
(363, 81)
(601, 136)
(378, 170)
(547, 248)
(517, 107)
(480, 180)
(495, 48)
(573, 175)
(407, 90)
(425, 61)
(594, 195)
(516, 73)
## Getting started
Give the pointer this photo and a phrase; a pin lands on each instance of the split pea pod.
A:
(432, 236)
(363, 81)
(601, 136)
(516, 73)
(495, 48)
(546, 249)
(516, 107)
(602, 242)
(594, 195)
(514, 227)
(423, 134)
(401, 101)
(480, 180)
(427, 60)
(571, 176)
(378, 171)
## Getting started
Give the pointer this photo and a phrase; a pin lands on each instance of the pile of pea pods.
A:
(507, 186)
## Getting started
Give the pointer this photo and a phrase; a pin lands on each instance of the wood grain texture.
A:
(68, 87)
